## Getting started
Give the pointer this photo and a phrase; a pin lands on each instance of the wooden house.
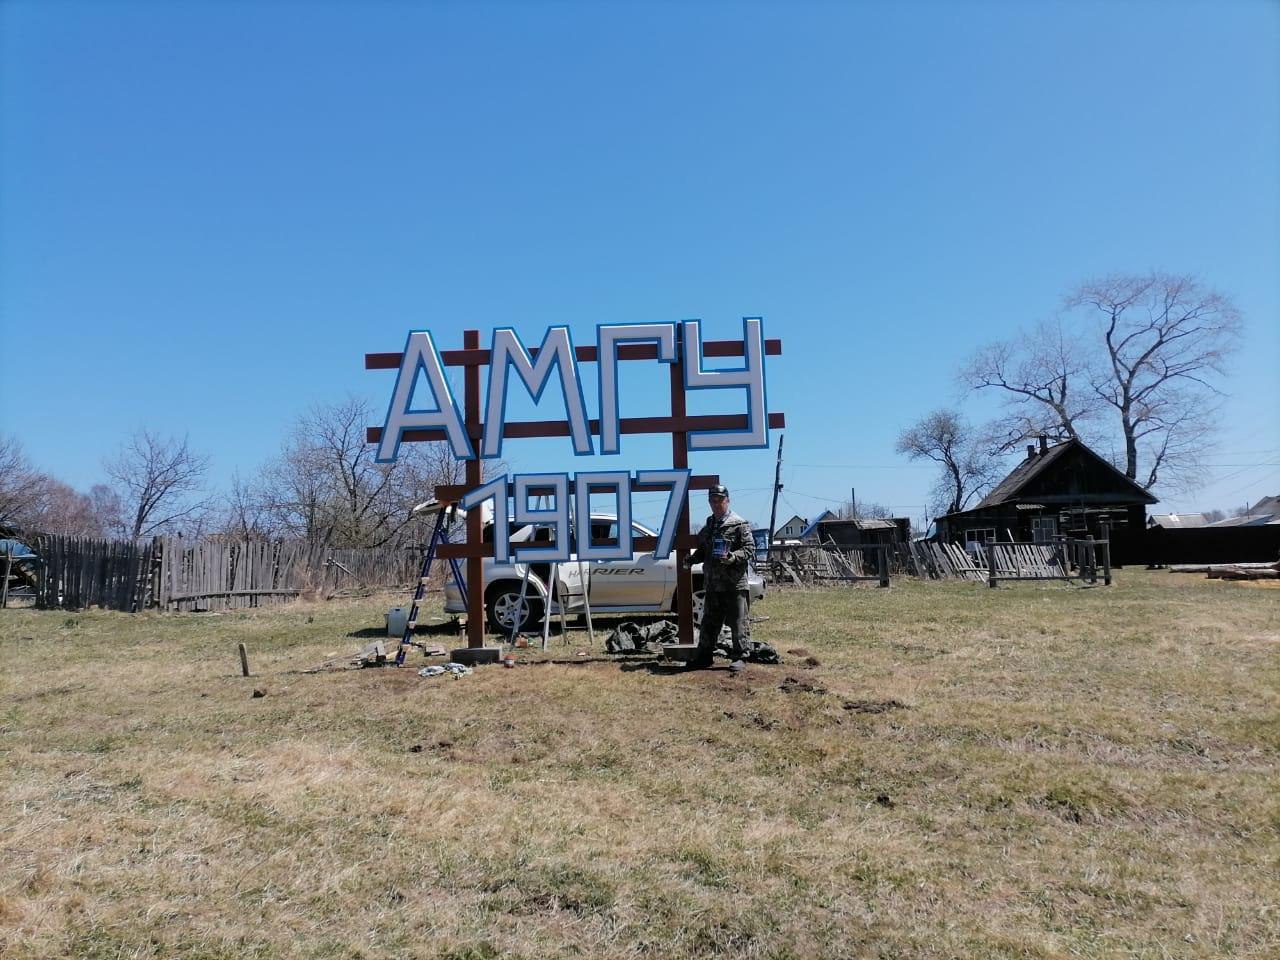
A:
(864, 532)
(791, 529)
(1061, 490)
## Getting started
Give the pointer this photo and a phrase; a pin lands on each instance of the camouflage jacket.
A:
(731, 572)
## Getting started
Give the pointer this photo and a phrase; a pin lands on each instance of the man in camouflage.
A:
(725, 548)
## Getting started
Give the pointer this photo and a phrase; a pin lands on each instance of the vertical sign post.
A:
(680, 461)
(475, 472)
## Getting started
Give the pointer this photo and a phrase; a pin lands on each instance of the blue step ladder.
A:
(439, 535)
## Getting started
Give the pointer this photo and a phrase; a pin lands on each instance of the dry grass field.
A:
(1035, 771)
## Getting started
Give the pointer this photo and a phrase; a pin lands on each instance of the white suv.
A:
(642, 584)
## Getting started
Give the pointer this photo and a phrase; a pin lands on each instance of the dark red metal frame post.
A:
(679, 424)
(680, 461)
(475, 476)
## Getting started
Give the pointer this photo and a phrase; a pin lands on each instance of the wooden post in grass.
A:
(8, 568)
(244, 660)
(882, 558)
(1106, 551)
(991, 563)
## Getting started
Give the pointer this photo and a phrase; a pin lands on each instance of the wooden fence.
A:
(78, 572)
(992, 562)
(943, 561)
(173, 574)
(819, 563)
(222, 575)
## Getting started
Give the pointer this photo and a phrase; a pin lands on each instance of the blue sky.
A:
(209, 212)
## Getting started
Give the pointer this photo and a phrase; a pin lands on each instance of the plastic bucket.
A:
(397, 617)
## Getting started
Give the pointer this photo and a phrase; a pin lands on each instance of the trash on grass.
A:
(456, 670)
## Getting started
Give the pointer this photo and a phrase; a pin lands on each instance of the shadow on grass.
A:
(450, 628)
(662, 668)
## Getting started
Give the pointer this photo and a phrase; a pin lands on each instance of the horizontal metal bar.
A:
(586, 354)
(560, 428)
(453, 492)
(462, 551)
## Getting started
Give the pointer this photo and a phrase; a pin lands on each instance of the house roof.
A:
(1266, 505)
(1250, 520)
(796, 517)
(1033, 466)
(823, 516)
(860, 523)
(1178, 521)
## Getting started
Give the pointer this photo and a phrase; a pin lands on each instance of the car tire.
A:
(699, 599)
(503, 600)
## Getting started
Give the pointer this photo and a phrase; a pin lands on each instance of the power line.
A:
(864, 466)
(1265, 477)
(886, 466)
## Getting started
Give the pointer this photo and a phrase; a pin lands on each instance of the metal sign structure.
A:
(475, 431)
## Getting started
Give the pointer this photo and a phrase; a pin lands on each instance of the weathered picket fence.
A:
(1064, 559)
(173, 574)
(228, 574)
(943, 561)
(78, 572)
(806, 564)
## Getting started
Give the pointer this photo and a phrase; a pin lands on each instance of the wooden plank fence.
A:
(229, 574)
(943, 561)
(819, 563)
(992, 562)
(78, 572)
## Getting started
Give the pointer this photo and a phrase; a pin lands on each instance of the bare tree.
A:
(37, 502)
(1166, 340)
(948, 439)
(20, 486)
(861, 510)
(1132, 364)
(108, 510)
(243, 511)
(1043, 376)
(327, 488)
(64, 510)
(158, 481)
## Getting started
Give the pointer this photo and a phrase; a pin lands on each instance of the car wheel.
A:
(505, 609)
(699, 598)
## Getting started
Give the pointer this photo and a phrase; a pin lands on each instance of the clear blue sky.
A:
(209, 212)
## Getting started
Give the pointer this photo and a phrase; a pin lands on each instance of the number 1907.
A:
(558, 516)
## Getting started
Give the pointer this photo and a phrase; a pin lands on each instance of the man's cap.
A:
(719, 490)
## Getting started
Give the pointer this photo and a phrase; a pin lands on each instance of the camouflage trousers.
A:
(721, 607)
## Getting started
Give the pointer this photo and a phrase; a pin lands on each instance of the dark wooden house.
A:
(1061, 490)
(864, 532)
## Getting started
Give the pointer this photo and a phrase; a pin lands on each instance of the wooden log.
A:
(1254, 574)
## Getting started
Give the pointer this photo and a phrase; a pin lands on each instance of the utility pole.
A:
(777, 488)
(853, 502)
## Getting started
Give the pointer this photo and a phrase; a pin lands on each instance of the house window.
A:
(1044, 529)
(973, 539)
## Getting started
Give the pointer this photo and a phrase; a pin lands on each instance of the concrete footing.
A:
(474, 656)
